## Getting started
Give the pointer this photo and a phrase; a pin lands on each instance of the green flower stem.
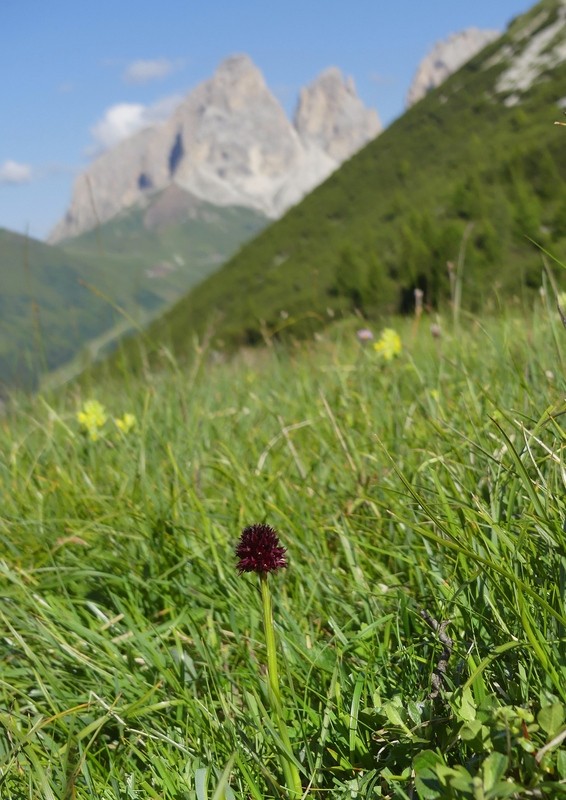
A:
(290, 771)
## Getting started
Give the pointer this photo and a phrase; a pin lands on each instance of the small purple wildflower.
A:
(364, 335)
(259, 550)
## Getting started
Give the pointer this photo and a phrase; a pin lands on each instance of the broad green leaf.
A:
(393, 714)
(470, 730)
(414, 712)
(426, 779)
(551, 718)
(493, 769)
(466, 707)
(504, 789)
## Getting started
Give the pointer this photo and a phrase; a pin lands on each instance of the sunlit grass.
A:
(431, 483)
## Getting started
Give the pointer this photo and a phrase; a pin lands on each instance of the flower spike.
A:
(259, 550)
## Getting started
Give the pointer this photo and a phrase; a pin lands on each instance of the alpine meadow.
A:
(303, 535)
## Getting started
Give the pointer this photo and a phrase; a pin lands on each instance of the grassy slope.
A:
(54, 300)
(132, 652)
(193, 248)
(37, 284)
(392, 217)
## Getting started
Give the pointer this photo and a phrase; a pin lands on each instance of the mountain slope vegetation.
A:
(39, 282)
(154, 258)
(55, 299)
(464, 179)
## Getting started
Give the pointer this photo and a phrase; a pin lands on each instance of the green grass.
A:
(133, 654)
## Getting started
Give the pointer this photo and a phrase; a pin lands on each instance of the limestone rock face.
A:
(331, 116)
(445, 58)
(117, 179)
(237, 144)
(229, 143)
(537, 47)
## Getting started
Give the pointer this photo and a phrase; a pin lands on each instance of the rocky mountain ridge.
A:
(229, 143)
(446, 57)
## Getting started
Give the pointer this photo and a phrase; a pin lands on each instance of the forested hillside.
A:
(463, 181)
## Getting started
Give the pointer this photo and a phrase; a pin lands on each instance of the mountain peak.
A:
(236, 63)
(236, 71)
(446, 57)
(331, 116)
(333, 76)
(229, 143)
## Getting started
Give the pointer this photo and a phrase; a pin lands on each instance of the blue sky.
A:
(66, 64)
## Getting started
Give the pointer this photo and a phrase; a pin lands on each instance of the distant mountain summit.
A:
(446, 57)
(229, 143)
(331, 117)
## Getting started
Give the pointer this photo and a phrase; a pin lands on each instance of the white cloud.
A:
(119, 122)
(124, 119)
(13, 172)
(143, 71)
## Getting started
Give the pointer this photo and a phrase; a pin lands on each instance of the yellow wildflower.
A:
(92, 418)
(389, 344)
(126, 423)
